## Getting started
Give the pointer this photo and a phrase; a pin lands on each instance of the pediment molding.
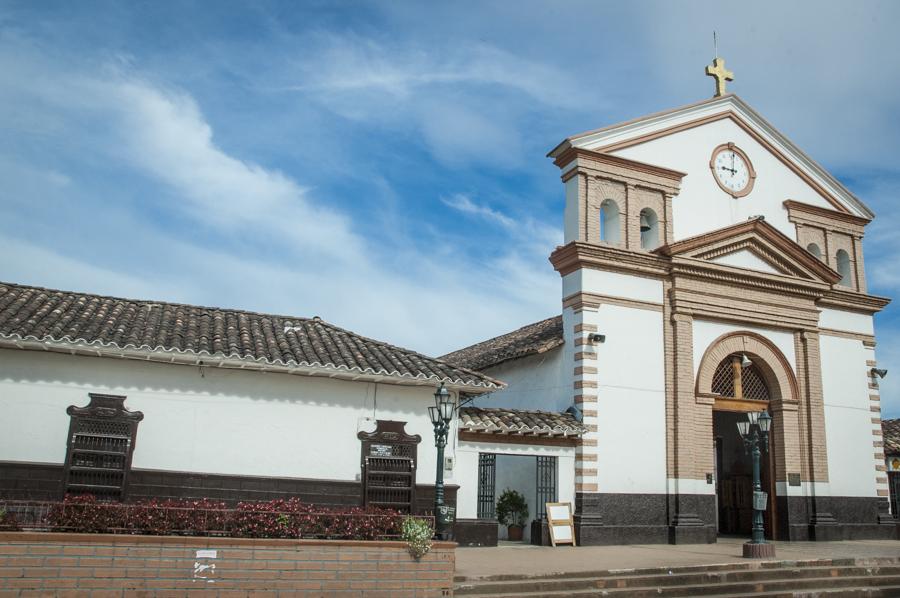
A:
(764, 241)
(729, 106)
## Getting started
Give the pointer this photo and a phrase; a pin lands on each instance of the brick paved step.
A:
(782, 578)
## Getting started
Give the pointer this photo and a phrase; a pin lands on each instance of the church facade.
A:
(710, 269)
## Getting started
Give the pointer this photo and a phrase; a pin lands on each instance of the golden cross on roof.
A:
(717, 69)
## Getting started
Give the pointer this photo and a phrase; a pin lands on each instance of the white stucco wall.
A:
(848, 426)
(631, 408)
(223, 422)
(702, 205)
(847, 321)
(613, 284)
(467, 468)
(745, 259)
(533, 382)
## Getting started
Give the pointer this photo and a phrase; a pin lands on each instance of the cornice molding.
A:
(853, 301)
(598, 158)
(577, 254)
(809, 215)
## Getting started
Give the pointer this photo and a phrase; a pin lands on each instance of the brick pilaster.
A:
(584, 389)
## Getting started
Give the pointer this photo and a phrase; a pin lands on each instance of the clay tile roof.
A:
(890, 428)
(115, 326)
(517, 421)
(535, 338)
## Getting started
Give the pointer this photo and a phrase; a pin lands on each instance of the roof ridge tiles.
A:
(134, 325)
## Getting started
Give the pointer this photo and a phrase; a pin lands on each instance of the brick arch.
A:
(768, 359)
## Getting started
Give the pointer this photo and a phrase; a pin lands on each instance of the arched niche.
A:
(609, 222)
(769, 360)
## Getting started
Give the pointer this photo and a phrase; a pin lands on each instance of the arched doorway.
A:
(744, 372)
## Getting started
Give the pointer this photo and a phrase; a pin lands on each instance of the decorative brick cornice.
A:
(637, 172)
(804, 213)
(577, 255)
(853, 301)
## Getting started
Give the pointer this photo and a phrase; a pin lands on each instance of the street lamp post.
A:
(441, 414)
(755, 433)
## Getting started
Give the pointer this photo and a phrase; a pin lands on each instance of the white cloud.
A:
(465, 205)
(263, 240)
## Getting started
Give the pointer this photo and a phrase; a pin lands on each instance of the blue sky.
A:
(382, 165)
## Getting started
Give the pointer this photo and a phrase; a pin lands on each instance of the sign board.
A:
(759, 501)
(559, 520)
(381, 450)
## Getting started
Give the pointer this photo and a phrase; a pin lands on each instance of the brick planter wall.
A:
(117, 565)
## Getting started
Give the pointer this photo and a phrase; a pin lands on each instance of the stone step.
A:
(743, 565)
(675, 577)
(790, 587)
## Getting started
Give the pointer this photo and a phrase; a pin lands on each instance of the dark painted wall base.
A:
(43, 482)
(475, 532)
(602, 519)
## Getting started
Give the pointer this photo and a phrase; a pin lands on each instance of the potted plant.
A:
(512, 511)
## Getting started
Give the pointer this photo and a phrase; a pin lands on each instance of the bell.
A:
(645, 224)
(745, 361)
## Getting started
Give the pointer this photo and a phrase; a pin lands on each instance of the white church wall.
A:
(706, 332)
(220, 421)
(702, 206)
(847, 321)
(533, 382)
(613, 284)
(848, 425)
(467, 468)
(631, 422)
(745, 259)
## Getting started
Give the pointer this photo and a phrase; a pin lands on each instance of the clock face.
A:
(732, 170)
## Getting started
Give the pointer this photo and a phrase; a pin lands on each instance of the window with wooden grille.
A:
(100, 446)
(389, 466)
(734, 380)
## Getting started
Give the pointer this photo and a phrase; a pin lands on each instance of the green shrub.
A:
(512, 508)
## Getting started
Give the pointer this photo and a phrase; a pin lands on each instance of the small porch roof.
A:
(498, 421)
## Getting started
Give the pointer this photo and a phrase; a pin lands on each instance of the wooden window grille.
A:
(100, 447)
(487, 489)
(546, 484)
(389, 466)
(734, 381)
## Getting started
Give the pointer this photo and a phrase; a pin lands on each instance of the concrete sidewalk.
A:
(521, 559)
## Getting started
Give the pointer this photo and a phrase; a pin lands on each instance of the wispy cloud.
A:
(464, 204)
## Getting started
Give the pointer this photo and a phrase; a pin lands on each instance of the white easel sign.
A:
(559, 520)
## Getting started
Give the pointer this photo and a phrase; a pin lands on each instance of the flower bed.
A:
(265, 519)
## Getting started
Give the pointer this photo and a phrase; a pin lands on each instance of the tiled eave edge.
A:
(525, 432)
(236, 362)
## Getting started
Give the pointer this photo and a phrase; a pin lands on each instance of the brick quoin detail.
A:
(109, 565)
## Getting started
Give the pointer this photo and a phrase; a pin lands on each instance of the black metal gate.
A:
(894, 484)
(487, 477)
(546, 484)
